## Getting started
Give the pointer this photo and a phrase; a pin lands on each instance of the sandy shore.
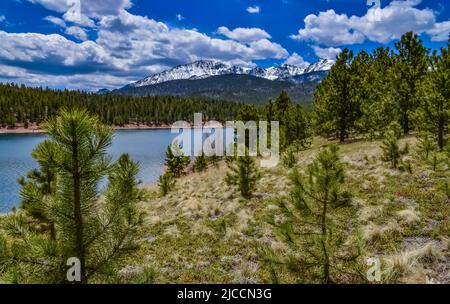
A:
(34, 129)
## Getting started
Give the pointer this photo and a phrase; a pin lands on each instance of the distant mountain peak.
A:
(103, 91)
(206, 68)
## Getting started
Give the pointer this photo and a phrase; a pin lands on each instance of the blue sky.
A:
(91, 44)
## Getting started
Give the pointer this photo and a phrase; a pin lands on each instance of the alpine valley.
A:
(214, 79)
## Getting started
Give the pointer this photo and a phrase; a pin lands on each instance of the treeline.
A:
(366, 93)
(24, 105)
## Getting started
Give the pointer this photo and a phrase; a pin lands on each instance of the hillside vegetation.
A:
(203, 231)
(239, 88)
(23, 105)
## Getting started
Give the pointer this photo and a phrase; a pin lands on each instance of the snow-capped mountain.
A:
(206, 68)
(196, 70)
(322, 65)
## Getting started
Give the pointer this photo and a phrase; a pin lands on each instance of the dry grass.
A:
(205, 232)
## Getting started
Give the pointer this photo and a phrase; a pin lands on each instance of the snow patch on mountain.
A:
(207, 68)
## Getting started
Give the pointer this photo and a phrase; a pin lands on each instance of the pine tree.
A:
(310, 228)
(390, 145)
(281, 105)
(335, 109)
(426, 145)
(374, 90)
(295, 128)
(166, 183)
(447, 151)
(200, 163)
(247, 113)
(98, 232)
(244, 174)
(433, 113)
(289, 158)
(411, 65)
(175, 161)
(38, 185)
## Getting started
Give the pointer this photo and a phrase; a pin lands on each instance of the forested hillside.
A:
(239, 88)
(19, 104)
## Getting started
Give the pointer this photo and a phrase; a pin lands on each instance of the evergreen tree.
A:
(312, 220)
(96, 232)
(447, 150)
(390, 145)
(289, 158)
(374, 90)
(166, 183)
(411, 65)
(175, 161)
(335, 109)
(426, 145)
(281, 105)
(433, 113)
(200, 163)
(244, 174)
(37, 186)
(245, 114)
(296, 128)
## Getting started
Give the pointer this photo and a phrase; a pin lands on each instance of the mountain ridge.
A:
(233, 87)
(207, 68)
(217, 80)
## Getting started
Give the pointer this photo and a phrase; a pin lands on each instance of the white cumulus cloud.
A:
(126, 47)
(77, 32)
(254, 9)
(297, 60)
(55, 20)
(244, 34)
(378, 24)
(326, 53)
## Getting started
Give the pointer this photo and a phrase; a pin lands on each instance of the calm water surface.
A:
(145, 146)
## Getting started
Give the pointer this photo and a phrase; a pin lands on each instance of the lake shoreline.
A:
(145, 146)
(37, 130)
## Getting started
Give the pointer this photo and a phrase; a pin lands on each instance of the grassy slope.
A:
(204, 232)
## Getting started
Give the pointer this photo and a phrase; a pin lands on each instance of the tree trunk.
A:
(79, 246)
(441, 126)
(326, 262)
(342, 136)
(52, 231)
(405, 123)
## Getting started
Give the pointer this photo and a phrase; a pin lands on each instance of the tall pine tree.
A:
(411, 65)
(433, 114)
(335, 109)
